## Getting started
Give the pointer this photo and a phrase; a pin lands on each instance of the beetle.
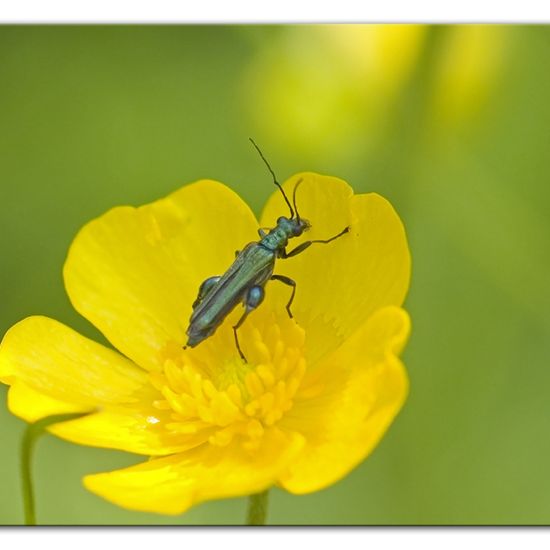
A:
(252, 268)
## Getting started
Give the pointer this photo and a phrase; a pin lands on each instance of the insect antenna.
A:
(294, 199)
(274, 178)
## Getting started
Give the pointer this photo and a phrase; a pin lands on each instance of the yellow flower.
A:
(468, 72)
(329, 90)
(339, 91)
(316, 395)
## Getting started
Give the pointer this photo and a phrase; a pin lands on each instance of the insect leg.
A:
(301, 247)
(205, 288)
(254, 298)
(290, 282)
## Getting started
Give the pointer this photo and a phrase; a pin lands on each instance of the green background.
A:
(92, 117)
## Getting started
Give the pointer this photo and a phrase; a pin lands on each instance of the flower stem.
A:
(30, 437)
(257, 508)
(27, 446)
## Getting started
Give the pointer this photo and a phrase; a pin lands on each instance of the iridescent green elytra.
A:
(245, 279)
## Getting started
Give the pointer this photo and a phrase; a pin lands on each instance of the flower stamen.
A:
(241, 400)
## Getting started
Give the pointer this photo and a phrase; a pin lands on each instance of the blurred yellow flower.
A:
(336, 91)
(327, 89)
(316, 395)
(469, 63)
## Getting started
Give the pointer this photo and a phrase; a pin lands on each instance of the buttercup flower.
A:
(468, 72)
(317, 393)
(331, 88)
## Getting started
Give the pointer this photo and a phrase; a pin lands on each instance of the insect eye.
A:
(281, 219)
(297, 230)
(304, 226)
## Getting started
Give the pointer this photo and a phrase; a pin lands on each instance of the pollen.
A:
(236, 401)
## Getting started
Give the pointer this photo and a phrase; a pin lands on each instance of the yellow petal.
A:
(57, 361)
(53, 370)
(126, 429)
(340, 284)
(135, 272)
(31, 405)
(361, 388)
(171, 485)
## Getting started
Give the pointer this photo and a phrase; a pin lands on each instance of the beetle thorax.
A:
(285, 229)
(278, 237)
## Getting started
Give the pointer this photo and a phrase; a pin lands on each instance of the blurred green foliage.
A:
(96, 116)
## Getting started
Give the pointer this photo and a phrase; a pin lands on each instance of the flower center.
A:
(234, 399)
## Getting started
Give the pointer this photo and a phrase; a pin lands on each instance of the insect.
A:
(246, 278)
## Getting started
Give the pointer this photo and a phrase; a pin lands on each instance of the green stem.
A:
(27, 446)
(30, 437)
(257, 508)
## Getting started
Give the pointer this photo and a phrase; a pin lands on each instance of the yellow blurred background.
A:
(451, 123)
